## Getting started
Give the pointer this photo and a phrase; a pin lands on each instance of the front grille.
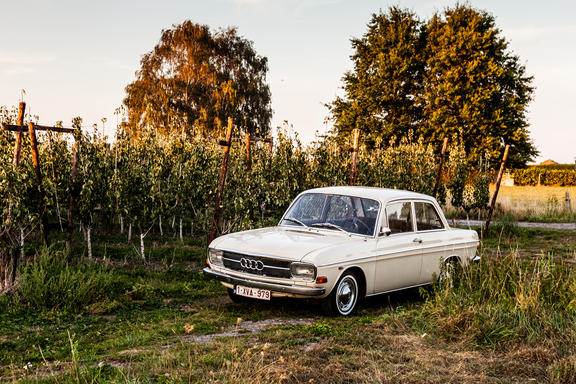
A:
(256, 265)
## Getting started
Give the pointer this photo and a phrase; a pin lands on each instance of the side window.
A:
(427, 219)
(399, 216)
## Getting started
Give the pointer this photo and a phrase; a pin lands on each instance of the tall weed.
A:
(504, 300)
(50, 283)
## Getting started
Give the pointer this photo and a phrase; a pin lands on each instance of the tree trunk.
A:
(3, 269)
(22, 242)
(15, 253)
(181, 237)
(160, 225)
(121, 225)
(72, 204)
(142, 246)
(89, 241)
(130, 233)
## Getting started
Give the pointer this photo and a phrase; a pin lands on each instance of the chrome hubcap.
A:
(346, 297)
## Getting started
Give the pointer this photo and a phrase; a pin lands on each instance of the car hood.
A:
(279, 241)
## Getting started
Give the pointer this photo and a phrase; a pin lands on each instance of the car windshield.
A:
(335, 212)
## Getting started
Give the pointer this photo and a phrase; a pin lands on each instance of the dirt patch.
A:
(247, 328)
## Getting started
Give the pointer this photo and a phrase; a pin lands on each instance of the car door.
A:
(431, 232)
(399, 256)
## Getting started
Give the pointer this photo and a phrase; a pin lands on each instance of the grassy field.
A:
(537, 204)
(532, 204)
(511, 319)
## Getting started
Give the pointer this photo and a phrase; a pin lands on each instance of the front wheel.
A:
(343, 298)
(235, 298)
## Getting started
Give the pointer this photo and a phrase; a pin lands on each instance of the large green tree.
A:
(387, 77)
(194, 80)
(452, 73)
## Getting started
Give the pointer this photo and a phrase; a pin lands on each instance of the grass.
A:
(536, 204)
(165, 323)
(531, 204)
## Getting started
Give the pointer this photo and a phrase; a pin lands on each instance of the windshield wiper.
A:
(295, 221)
(330, 225)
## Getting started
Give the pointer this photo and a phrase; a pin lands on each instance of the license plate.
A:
(254, 293)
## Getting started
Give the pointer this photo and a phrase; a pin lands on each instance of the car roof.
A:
(382, 194)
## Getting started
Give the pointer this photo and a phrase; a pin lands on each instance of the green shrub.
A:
(48, 282)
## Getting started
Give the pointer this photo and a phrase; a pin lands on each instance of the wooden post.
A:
(354, 157)
(270, 145)
(72, 204)
(437, 182)
(249, 172)
(498, 180)
(17, 148)
(41, 194)
(568, 206)
(223, 171)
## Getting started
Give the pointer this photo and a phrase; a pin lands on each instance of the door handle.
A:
(417, 240)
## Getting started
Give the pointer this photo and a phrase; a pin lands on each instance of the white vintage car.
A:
(339, 245)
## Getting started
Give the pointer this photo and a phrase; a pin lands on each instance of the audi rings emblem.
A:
(256, 265)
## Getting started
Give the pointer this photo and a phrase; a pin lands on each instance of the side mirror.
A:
(385, 231)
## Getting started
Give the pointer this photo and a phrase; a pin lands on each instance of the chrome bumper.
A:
(476, 259)
(295, 289)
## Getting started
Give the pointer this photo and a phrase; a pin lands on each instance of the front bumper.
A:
(275, 287)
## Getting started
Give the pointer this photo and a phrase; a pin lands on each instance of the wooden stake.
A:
(223, 171)
(41, 194)
(248, 154)
(498, 180)
(354, 157)
(17, 148)
(437, 182)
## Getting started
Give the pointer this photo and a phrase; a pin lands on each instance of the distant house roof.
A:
(549, 161)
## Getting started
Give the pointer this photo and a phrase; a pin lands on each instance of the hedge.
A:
(550, 167)
(560, 178)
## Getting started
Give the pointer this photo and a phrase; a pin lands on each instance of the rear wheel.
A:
(343, 298)
(448, 273)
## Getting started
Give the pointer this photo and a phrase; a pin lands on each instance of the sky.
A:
(75, 57)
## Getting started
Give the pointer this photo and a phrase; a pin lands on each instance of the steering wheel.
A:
(355, 221)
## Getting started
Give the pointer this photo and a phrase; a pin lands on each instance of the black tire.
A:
(344, 296)
(235, 298)
(449, 273)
